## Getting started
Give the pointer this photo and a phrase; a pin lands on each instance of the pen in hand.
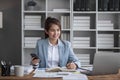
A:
(71, 65)
(84, 69)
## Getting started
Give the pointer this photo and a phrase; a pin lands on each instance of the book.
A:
(81, 17)
(32, 16)
(58, 10)
(59, 69)
(1, 19)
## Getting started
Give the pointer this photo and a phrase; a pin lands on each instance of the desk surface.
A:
(29, 77)
(26, 77)
(105, 77)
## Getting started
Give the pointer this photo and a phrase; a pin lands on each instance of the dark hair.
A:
(49, 22)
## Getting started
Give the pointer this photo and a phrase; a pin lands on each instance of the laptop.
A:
(105, 63)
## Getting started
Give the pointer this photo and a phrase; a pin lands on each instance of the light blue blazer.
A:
(66, 53)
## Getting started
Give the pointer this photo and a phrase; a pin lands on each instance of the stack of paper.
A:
(64, 75)
(57, 69)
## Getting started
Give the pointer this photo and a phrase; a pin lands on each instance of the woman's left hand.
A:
(71, 65)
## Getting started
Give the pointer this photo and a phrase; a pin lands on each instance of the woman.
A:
(52, 51)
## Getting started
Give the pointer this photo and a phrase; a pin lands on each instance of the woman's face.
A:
(54, 32)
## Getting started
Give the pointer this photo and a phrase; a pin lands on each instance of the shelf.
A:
(65, 29)
(109, 12)
(34, 11)
(85, 30)
(39, 29)
(86, 23)
(87, 12)
(29, 47)
(109, 48)
(115, 30)
(58, 11)
(85, 48)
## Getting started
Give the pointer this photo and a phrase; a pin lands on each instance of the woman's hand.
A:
(71, 65)
(35, 61)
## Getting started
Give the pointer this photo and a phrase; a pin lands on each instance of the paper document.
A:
(64, 75)
(89, 68)
(58, 69)
(75, 77)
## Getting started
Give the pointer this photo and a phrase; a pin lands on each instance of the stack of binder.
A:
(32, 22)
(81, 5)
(84, 59)
(81, 22)
(105, 41)
(108, 5)
(30, 42)
(105, 25)
(79, 42)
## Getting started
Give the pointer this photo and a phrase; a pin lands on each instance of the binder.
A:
(74, 5)
(100, 5)
(87, 5)
(105, 5)
(116, 5)
(111, 5)
(77, 5)
(82, 5)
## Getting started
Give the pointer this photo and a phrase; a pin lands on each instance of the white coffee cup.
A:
(19, 70)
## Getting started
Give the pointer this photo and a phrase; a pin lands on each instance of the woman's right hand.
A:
(35, 61)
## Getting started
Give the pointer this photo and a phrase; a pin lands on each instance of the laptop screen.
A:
(106, 63)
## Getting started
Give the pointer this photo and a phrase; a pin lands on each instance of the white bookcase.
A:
(90, 31)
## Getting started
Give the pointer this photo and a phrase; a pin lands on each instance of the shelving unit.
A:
(108, 29)
(89, 29)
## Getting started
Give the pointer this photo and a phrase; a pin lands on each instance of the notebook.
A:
(60, 69)
(105, 63)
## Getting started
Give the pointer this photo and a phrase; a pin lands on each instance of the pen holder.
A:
(5, 70)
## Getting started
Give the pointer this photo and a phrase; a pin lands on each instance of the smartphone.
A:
(33, 55)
